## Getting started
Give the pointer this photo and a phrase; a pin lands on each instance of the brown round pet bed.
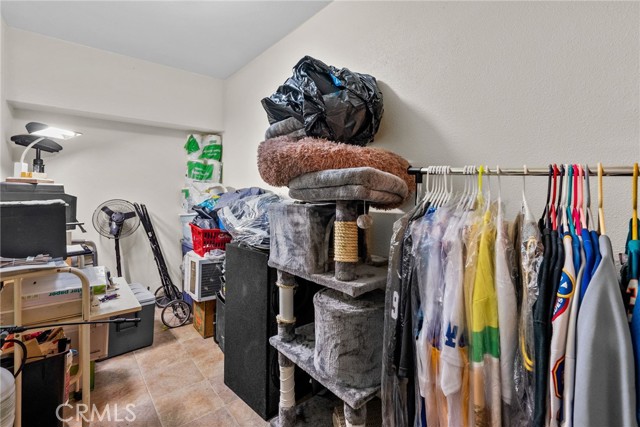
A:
(280, 160)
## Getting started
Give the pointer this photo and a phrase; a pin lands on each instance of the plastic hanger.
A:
(485, 200)
(440, 187)
(558, 211)
(449, 177)
(498, 172)
(566, 200)
(545, 212)
(527, 212)
(581, 218)
(576, 197)
(634, 196)
(552, 207)
(588, 213)
(462, 195)
(601, 227)
(568, 213)
(426, 192)
(443, 188)
(472, 187)
(436, 186)
(475, 195)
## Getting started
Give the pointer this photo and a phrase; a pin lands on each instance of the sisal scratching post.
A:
(286, 323)
(286, 320)
(346, 240)
(287, 406)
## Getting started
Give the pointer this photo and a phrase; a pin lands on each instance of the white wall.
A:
(114, 160)
(506, 83)
(48, 73)
(134, 116)
(6, 165)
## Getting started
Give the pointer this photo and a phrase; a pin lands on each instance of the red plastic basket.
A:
(208, 240)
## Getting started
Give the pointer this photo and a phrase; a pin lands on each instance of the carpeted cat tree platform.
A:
(343, 352)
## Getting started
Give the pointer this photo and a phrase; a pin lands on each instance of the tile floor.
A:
(176, 382)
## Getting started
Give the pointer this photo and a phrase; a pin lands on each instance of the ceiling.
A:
(214, 38)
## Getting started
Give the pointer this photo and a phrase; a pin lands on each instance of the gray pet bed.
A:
(364, 183)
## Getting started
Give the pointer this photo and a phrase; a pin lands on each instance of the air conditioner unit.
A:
(202, 276)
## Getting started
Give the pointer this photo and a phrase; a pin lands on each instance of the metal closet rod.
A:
(537, 171)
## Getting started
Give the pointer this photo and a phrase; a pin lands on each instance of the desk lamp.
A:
(38, 138)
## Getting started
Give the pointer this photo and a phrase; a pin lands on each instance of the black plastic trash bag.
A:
(331, 103)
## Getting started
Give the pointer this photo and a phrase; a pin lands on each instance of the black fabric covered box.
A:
(32, 228)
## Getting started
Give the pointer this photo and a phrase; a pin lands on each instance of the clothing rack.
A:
(419, 172)
(523, 171)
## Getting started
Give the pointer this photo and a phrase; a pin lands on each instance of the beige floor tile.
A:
(159, 356)
(163, 337)
(127, 359)
(133, 391)
(143, 415)
(244, 415)
(219, 418)
(200, 347)
(225, 393)
(172, 378)
(117, 372)
(188, 404)
(185, 333)
(209, 365)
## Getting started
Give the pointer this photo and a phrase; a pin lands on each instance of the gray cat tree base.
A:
(340, 314)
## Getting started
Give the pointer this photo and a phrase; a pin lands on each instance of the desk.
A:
(126, 303)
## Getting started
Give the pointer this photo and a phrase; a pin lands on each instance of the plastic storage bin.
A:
(126, 337)
(208, 240)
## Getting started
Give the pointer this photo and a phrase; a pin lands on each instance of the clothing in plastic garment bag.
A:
(398, 388)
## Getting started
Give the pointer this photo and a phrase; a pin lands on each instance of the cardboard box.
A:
(203, 313)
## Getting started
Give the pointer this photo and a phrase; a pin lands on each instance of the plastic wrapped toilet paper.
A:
(211, 148)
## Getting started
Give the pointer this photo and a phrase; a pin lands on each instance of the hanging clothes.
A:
(570, 355)
(471, 241)
(490, 324)
(397, 383)
(632, 249)
(427, 253)
(541, 327)
(485, 341)
(507, 312)
(531, 260)
(560, 325)
(605, 393)
(590, 259)
(454, 367)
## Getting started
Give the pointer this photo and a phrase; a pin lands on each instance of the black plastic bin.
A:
(126, 337)
(43, 383)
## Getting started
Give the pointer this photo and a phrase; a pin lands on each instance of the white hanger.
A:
(525, 206)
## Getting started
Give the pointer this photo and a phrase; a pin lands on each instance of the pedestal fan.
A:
(115, 219)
